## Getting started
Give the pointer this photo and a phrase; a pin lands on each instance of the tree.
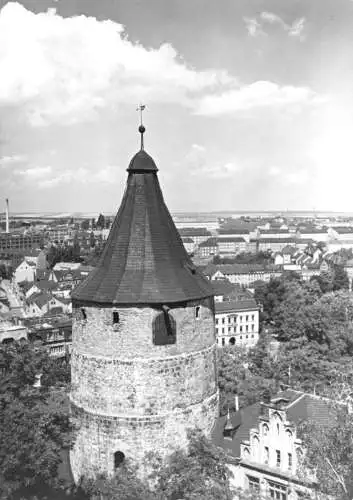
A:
(85, 225)
(330, 453)
(236, 375)
(340, 278)
(34, 423)
(200, 472)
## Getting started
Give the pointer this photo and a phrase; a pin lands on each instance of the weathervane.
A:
(142, 129)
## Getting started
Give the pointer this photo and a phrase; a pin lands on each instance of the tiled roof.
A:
(231, 240)
(277, 240)
(211, 242)
(223, 287)
(194, 231)
(343, 230)
(288, 250)
(234, 231)
(40, 299)
(300, 407)
(236, 305)
(144, 260)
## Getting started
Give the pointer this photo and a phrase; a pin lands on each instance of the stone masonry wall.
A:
(142, 386)
(132, 396)
(132, 336)
(100, 437)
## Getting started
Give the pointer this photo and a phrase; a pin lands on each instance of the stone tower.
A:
(143, 347)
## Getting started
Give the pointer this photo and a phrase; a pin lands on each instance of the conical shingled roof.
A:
(144, 260)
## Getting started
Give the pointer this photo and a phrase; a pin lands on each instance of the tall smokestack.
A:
(7, 216)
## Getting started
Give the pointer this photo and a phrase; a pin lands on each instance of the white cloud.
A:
(258, 94)
(199, 163)
(255, 27)
(298, 177)
(63, 69)
(274, 171)
(82, 175)
(297, 28)
(35, 172)
(11, 159)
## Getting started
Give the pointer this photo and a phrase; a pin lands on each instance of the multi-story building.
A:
(341, 233)
(266, 446)
(234, 233)
(189, 244)
(314, 234)
(55, 334)
(274, 233)
(198, 234)
(237, 322)
(274, 244)
(19, 241)
(231, 246)
(208, 248)
(242, 274)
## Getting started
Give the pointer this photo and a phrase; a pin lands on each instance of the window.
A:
(246, 318)
(252, 328)
(217, 331)
(247, 336)
(247, 328)
(278, 458)
(277, 491)
(83, 313)
(164, 328)
(290, 461)
(252, 317)
(223, 341)
(223, 321)
(197, 312)
(254, 483)
(289, 435)
(266, 455)
(119, 458)
(222, 330)
(265, 429)
(216, 321)
(241, 328)
(115, 317)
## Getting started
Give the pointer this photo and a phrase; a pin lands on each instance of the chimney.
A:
(236, 402)
(7, 216)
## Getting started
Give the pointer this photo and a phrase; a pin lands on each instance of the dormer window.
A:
(197, 312)
(116, 317)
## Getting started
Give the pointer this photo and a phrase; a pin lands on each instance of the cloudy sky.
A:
(249, 102)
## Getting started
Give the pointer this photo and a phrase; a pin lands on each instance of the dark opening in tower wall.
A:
(116, 318)
(164, 329)
(119, 458)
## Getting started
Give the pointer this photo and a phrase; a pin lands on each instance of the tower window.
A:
(197, 312)
(83, 313)
(119, 458)
(116, 318)
(164, 328)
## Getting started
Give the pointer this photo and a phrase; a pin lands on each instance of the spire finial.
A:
(142, 129)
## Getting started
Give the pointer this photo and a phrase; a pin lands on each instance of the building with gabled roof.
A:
(143, 341)
(265, 444)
